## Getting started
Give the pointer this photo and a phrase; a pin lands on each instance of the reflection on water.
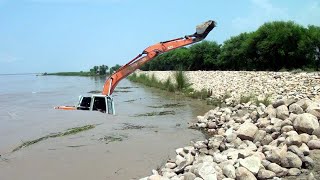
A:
(26, 113)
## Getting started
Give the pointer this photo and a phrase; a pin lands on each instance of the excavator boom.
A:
(104, 102)
(151, 52)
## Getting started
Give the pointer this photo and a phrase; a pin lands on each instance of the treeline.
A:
(273, 46)
(101, 70)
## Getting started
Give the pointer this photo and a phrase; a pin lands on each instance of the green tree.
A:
(114, 68)
(234, 52)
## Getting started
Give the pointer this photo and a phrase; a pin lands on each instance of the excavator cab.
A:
(96, 102)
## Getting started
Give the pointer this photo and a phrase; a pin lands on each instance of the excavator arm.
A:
(152, 51)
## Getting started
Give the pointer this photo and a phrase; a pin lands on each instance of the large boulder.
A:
(247, 131)
(306, 123)
(291, 161)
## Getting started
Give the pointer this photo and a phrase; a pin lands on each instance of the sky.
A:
(74, 35)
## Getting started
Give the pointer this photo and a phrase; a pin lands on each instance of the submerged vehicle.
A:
(104, 102)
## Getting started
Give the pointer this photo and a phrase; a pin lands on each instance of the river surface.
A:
(26, 113)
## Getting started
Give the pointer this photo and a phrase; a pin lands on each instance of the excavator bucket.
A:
(202, 30)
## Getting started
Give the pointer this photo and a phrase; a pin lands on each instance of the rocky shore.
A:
(276, 85)
(249, 141)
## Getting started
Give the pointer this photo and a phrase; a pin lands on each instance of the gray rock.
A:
(305, 149)
(267, 140)
(189, 176)
(252, 163)
(179, 159)
(247, 131)
(207, 171)
(276, 154)
(308, 162)
(212, 125)
(293, 140)
(314, 110)
(244, 174)
(170, 165)
(295, 108)
(291, 161)
(294, 172)
(282, 112)
(277, 169)
(297, 151)
(287, 128)
(316, 132)
(229, 171)
(263, 122)
(265, 162)
(305, 138)
(306, 123)
(278, 103)
(304, 103)
(314, 144)
(265, 174)
(218, 158)
(271, 111)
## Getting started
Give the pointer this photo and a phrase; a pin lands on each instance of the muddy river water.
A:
(125, 146)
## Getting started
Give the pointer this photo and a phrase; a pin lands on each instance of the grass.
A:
(168, 105)
(70, 131)
(113, 138)
(246, 98)
(161, 113)
(182, 85)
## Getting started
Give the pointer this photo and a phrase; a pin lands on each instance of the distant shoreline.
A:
(73, 74)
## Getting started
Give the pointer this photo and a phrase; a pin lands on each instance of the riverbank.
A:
(249, 142)
(241, 86)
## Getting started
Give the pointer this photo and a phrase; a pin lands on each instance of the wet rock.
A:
(266, 174)
(247, 131)
(244, 174)
(252, 163)
(306, 123)
(314, 144)
(282, 112)
(170, 165)
(229, 171)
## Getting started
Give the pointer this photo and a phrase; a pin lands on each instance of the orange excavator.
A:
(104, 102)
